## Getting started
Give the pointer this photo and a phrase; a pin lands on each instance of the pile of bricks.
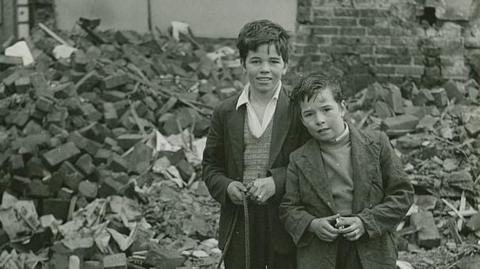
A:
(437, 133)
(76, 130)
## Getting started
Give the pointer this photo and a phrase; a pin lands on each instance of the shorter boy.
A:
(345, 190)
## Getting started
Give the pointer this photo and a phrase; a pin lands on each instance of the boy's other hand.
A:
(323, 228)
(235, 191)
(353, 227)
(262, 189)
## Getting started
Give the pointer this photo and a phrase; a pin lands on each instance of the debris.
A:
(20, 49)
(428, 235)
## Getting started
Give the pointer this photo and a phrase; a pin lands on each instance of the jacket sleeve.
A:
(213, 164)
(398, 194)
(292, 213)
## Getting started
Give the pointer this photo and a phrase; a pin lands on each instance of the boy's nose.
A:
(265, 67)
(319, 119)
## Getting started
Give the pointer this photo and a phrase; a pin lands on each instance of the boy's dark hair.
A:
(309, 86)
(260, 32)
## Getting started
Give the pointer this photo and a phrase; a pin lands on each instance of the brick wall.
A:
(387, 40)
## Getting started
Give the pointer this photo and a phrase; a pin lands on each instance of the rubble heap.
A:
(90, 131)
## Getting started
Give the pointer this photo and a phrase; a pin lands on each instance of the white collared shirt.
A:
(257, 127)
(343, 134)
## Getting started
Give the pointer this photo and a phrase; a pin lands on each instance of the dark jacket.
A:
(223, 161)
(382, 196)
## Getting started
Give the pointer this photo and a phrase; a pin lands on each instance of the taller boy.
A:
(250, 139)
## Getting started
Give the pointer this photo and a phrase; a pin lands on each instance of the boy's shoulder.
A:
(228, 103)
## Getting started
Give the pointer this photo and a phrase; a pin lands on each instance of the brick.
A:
(22, 84)
(65, 194)
(366, 22)
(326, 30)
(44, 104)
(382, 110)
(163, 258)
(427, 123)
(85, 164)
(38, 189)
(113, 96)
(92, 265)
(473, 126)
(473, 224)
(411, 71)
(440, 97)
(186, 169)
(109, 187)
(403, 122)
(88, 189)
(353, 31)
(56, 207)
(393, 60)
(90, 112)
(115, 261)
(8, 61)
(428, 235)
(19, 184)
(118, 163)
(83, 143)
(115, 81)
(35, 168)
(79, 60)
(323, 12)
(16, 163)
(102, 156)
(61, 154)
(73, 262)
(110, 114)
(18, 118)
(88, 82)
(346, 12)
(454, 91)
(335, 21)
(126, 141)
(374, 13)
(383, 69)
(96, 132)
(345, 49)
(139, 159)
(70, 175)
(394, 98)
(40, 84)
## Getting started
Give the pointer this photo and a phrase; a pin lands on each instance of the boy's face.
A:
(323, 116)
(264, 68)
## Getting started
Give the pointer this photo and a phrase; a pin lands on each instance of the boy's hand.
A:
(353, 227)
(262, 189)
(235, 191)
(323, 228)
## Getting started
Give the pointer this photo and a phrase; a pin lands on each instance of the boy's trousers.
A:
(347, 255)
(262, 254)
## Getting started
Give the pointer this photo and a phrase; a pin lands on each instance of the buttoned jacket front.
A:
(223, 161)
(382, 195)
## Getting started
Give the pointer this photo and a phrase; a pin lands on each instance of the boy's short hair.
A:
(260, 32)
(310, 85)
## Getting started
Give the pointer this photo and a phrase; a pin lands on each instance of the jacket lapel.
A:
(316, 174)
(362, 160)
(281, 125)
(236, 122)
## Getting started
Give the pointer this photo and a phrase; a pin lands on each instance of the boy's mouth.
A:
(323, 130)
(264, 79)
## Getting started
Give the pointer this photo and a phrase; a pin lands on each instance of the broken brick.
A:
(403, 122)
(56, 207)
(90, 112)
(85, 144)
(43, 104)
(440, 97)
(109, 187)
(454, 92)
(382, 110)
(115, 81)
(35, 168)
(186, 169)
(473, 224)
(139, 158)
(16, 162)
(118, 163)
(473, 126)
(92, 265)
(71, 176)
(428, 235)
(115, 261)
(38, 189)
(85, 164)
(8, 61)
(394, 98)
(22, 84)
(110, 114)
(65, 194)
(127, 141)
(88, 189)
(102, 156)
(163, 258)
(61, 154)
(113, 96)
(19, 184)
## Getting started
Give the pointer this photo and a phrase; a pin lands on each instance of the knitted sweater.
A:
(257, 153)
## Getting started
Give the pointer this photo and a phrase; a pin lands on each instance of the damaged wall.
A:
(388, 40)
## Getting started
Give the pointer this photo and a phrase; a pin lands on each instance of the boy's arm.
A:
(398, 194)
(292, 213)
(213, 164)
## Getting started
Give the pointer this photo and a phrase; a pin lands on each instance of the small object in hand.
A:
(336, 224)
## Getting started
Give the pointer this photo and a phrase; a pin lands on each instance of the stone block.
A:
(90, 112)
(85, 164)
(88, 189)
(71, 176)
(109, 186)
(38, 189)
(61, 154)
(89, 146)
(428, 235)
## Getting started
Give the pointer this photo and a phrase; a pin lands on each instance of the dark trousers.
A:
(347, 255)
(262, 254)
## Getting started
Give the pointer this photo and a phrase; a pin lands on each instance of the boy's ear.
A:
(343, 106)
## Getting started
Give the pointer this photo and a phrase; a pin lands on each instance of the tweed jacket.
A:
(223, 161)
(382, 196)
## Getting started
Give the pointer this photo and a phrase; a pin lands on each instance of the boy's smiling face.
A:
(264, 68)
(323, 116)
